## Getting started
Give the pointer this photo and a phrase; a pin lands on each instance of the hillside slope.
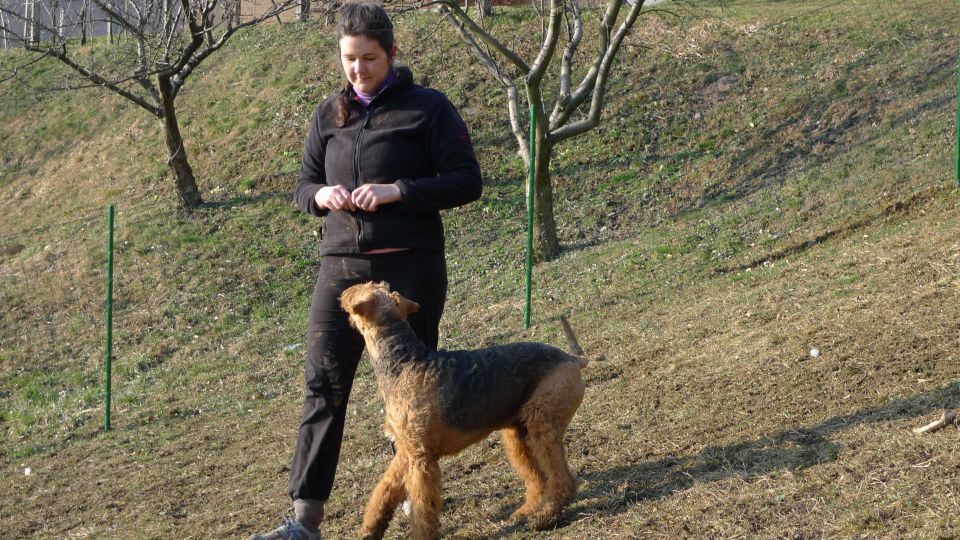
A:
(772, 177)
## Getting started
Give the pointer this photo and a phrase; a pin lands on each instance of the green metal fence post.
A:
(530, 187)
(109, 347)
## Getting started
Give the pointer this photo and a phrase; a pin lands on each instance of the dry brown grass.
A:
(705, 258)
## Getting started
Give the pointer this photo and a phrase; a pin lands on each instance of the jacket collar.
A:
(404, 80)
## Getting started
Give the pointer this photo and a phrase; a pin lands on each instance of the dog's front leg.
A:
(388, 494)
(423, 485)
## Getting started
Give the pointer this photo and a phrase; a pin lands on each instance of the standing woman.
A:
(383, 157)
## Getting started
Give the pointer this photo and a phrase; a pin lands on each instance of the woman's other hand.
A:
(335, 198)
(369, 197)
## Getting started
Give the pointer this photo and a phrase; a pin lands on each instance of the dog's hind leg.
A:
(526, 466)
(547, 414)
(388, 494)
(423, 486)
(560, 486)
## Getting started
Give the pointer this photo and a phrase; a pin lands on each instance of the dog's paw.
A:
(543, 523)
(523, 512)
(546, 518)
(368, 534)
(518, 516)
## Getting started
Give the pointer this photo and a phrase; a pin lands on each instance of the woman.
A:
(382, 158)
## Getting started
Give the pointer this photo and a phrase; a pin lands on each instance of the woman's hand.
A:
(369, 197)
(335, 198)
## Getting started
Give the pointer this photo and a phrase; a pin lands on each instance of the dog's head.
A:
(373, 304)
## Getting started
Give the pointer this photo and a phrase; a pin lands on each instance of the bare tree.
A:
(577, 105)
(326, 9)
(3, 30)
(164, 43)
(30, 21)
(83, 22)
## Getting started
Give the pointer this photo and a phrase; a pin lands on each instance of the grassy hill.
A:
(771, 177)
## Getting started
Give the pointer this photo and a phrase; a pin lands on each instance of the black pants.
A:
(334, 349)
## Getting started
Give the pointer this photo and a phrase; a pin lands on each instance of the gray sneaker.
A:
(290, 530)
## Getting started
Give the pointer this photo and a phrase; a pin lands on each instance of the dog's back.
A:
(484, 389)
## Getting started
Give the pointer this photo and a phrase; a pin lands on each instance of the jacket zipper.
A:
(356, 168)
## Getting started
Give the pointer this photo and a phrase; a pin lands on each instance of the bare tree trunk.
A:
(61, 23)
(153, 69)
(165, 17)
(565, 17)
(332, 7)
(26, 22)
(182, 172)
(231, 12)
(303, 10)
(84, 19)
(55, 20)
(547, 246)
(34, 23)
(124, 31)
(31, 26)
(3, 23)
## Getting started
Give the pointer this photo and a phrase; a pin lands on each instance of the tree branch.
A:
(566, 70)
(15, 71)
(564, 109)
(175, 73)
(598, 88)
(118, 18)
(488, 61)
(61, 55)
(535, 76)
(480, 32)
(172, 32)
(192, 56)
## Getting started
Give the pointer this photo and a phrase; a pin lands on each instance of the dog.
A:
(440, 402)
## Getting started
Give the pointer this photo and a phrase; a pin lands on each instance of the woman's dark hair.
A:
(370, 20)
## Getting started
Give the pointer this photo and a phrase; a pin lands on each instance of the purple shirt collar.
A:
(367, 98)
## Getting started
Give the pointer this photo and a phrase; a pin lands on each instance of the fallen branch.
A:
(946, 419)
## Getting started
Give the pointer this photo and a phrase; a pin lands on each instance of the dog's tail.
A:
(572, 342)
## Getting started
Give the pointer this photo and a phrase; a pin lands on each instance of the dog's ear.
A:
(365, 309)
(405, 306)
(354, 303)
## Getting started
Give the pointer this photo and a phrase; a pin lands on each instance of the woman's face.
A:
(365, 62)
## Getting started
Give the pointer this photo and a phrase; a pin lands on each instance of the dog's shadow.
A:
(612, 491)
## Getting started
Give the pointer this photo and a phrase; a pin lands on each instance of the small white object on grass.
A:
(814, 353)
(946, 419)
(27, 471)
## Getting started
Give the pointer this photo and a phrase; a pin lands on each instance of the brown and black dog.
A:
(440, 402)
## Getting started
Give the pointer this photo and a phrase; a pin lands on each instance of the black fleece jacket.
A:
(409, 135)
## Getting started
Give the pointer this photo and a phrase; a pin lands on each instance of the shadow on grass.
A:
(264, 181)
(243, 200)
(818, 139)
(613, 490)
(886, 211)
